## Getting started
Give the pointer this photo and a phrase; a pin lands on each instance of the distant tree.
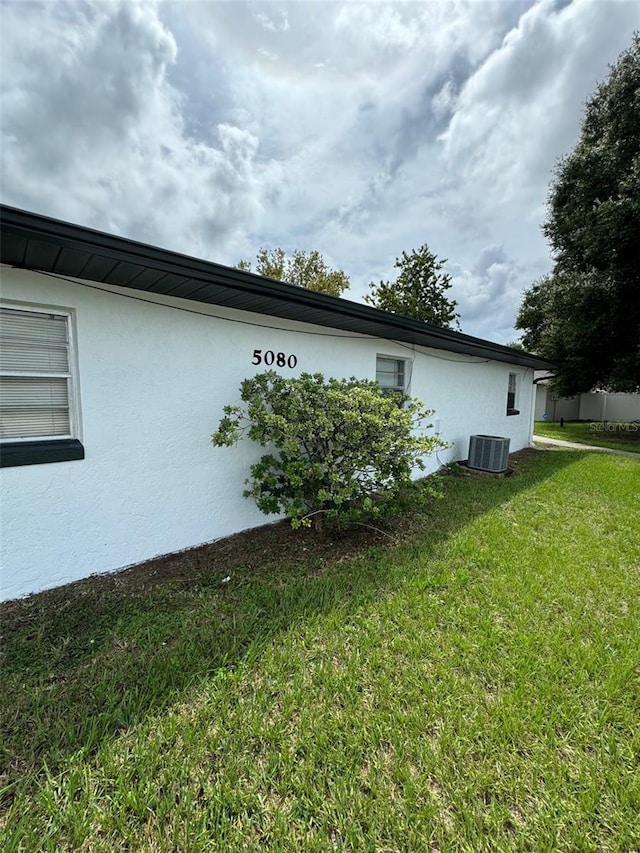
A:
(585, 315)
(304, 269)
(418, 291)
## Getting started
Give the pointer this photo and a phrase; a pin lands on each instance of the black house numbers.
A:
(269, 357)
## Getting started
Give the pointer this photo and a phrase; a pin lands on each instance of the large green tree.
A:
(585, 315)
(304, 269)
(419, 290)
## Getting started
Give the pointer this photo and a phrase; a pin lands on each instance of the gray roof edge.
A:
(39, 227)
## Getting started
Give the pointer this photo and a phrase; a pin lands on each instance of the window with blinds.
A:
(35, 375)
(390, 374)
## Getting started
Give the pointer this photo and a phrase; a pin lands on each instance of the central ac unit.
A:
(489, 453)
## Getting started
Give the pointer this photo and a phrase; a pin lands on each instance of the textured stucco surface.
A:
(152, 384)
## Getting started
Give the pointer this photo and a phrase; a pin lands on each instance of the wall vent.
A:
(489, 453)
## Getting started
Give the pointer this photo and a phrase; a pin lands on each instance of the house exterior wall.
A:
(567, 408)
(153, 378)
(541, 403)
(555, 407)
(563, 407)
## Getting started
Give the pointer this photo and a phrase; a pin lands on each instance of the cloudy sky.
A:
(358, 129)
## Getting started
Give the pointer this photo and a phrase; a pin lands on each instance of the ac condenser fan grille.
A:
(489, 453)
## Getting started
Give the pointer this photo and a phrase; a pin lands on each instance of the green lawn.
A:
(616, 436)
(470, 685)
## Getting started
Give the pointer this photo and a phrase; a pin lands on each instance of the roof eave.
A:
(37, 242)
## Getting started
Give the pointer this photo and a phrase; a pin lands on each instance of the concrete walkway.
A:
(539, 439)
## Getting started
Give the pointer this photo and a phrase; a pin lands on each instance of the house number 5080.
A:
(270, 357)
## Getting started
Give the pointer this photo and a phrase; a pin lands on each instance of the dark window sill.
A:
(40, 452)
(513, 412)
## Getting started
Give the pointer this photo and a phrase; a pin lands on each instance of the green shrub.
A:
(341, 448)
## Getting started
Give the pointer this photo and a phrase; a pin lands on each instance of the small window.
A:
(391, 374)
(512, 394)
(36, 387)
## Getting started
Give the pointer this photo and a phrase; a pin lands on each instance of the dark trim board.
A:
(35, 242)
(17, 453)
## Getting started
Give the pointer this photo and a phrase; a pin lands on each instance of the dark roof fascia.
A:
(274, 298)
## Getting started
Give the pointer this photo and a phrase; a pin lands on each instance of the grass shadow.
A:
(84, 662)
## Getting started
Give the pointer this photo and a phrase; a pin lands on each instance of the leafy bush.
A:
(343, 449)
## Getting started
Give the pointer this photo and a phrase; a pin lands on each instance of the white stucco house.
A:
(117, 359)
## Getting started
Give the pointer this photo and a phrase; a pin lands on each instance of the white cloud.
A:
(359, 129)
(487, 291)
(444, 101)
(521, 109)
(92, 131)
(280, 23)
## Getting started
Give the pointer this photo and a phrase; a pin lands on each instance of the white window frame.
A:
(405, 372)
(513, 410)
(71, 375)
